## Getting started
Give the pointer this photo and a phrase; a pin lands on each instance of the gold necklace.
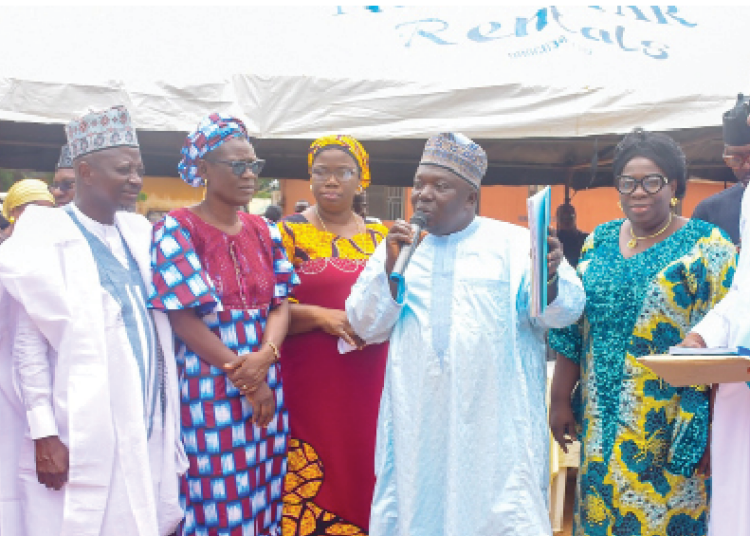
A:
(633, 242)
(364, 230)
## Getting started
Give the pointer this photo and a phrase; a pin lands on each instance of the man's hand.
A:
(562, 423)
(264, 405)
(400, 235)
(248, 371)
(554, 252)
(335, 322)
(51, 462)
(692, 340)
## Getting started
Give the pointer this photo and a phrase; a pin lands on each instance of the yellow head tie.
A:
(24, 192)
(348, 144)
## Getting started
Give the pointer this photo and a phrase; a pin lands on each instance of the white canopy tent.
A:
(391, 73)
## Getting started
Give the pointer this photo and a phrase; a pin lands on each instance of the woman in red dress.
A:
(332, 397)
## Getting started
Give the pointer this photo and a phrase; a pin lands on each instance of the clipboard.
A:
(685, 370)
(538, 207)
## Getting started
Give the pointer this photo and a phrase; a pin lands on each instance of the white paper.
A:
(679, 350)
(344, 346)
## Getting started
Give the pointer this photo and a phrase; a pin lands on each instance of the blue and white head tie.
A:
(212, 131)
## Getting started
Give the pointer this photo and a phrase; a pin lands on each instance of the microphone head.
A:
(419, 219)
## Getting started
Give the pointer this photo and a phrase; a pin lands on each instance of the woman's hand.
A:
(249, 371)
(52, 463)
(704, 465)
(335, 322)
(264, 405)
(563, 424)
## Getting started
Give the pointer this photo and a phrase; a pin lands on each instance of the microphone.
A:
(418, 221)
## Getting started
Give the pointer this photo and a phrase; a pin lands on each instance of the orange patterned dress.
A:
(332, 398)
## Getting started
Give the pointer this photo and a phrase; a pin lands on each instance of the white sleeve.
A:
(715, 328)
(370, 307)
(569, 303)
(32, 364)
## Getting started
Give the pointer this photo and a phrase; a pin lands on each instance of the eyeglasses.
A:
(321, 174)
(240, 166)
(736, 161)
(63, 186)
(651, 184)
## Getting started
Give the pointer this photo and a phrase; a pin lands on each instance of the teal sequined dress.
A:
(641, 439)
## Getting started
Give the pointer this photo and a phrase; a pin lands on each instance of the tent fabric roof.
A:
(534, 85)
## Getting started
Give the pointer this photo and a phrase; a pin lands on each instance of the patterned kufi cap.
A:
(26, 191)
(65, 161)
(212, 131)
(97, 131)
(348, 145)
(736, 130)
(457, 153)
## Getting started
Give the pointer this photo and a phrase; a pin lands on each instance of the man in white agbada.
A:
(728, 325)
(462, 440)
(88, 389)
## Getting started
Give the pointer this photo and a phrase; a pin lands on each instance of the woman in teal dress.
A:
(648, 279)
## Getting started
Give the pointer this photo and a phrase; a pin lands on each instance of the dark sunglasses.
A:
(63, 186)
(240, 166)
(651, 184)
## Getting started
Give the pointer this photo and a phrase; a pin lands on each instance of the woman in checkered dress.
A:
(223, 277)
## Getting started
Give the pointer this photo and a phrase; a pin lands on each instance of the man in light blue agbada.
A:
(462, 445)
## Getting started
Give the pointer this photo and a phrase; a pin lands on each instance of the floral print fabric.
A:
(642, 438)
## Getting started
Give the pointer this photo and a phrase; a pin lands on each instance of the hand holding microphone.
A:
(402, 240)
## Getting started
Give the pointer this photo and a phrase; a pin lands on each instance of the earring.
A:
(311, 187)
(360, 190)
(619, 205)
(674, 202)
(12, 219)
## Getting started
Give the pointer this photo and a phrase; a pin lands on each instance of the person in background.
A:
(723, 209)
(332, 397)
(272, 213)
(360, 207)
(568, 233)
(22, 194)
(649, 278)
(301, 206)
(63, 185)
(462, 443)
(223, 278)
(4, 228)
(728, 326)
(88, 385)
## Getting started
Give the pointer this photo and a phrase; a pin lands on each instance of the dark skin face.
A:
(108, 180)
(566, 217)
(65, 177)
(648, 213)
(223, 187)
(448, 201)
(742, 174)
(334, 196)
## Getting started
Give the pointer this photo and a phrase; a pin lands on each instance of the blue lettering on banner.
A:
(435, 31)
(421, 30)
